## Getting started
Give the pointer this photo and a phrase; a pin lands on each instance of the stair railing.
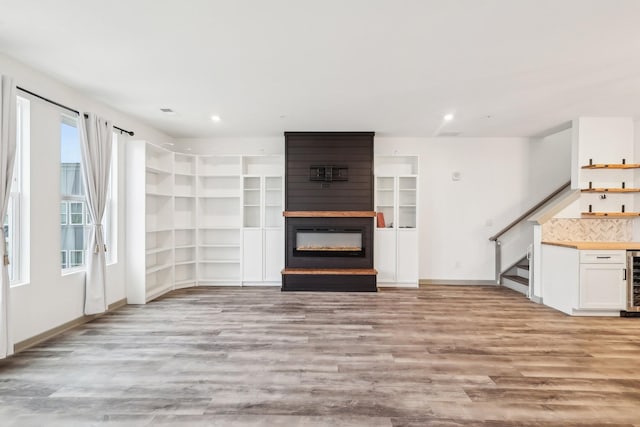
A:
(496, 237)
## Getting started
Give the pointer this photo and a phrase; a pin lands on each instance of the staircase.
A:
(517, 277)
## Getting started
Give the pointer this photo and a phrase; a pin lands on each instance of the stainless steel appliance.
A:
(633, 281)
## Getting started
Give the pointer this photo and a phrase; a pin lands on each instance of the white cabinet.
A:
(584, 282)
(396, 234)
(602, 280)
(263, 225)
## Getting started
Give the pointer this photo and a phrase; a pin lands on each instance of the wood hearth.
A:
(329, 217)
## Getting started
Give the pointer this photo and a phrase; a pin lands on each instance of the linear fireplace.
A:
(322, 241)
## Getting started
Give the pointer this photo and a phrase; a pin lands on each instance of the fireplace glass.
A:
(332, 242)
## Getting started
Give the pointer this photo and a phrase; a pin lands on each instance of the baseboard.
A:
(46, 335)
(536, 299)
(426, 282)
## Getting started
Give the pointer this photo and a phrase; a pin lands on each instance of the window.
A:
(15, 222)
(64, 208)
(74, 213)
(73, 233)
(76, 258)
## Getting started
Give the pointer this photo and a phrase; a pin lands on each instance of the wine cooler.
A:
(633, 281)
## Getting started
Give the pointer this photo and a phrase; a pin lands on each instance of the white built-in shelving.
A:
(150, 221)
(396, 234)
(207, 220)
(263, 223)
(185, 220)
(219, 220)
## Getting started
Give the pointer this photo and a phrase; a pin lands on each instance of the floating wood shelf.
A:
(610, 190)
(610, 214)
(612, 166)
(329, 214)
(332, 271)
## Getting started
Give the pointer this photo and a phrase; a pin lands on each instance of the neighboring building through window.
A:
(72, 203)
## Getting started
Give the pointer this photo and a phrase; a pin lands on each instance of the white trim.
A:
(458, 282)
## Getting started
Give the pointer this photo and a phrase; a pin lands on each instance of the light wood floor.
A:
(437, 356)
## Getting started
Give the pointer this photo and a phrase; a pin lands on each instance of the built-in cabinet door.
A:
(602, 286)
(273, 254)
(407, 256)
(384, 258)
(252, 255)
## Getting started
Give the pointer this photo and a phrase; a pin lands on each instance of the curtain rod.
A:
(66, 108)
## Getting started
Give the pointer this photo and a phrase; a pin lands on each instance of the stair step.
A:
(523, 266)
(522, 280)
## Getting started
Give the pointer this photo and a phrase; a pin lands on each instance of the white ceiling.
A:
(504, 67)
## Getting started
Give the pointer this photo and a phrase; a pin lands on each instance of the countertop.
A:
(625, 246)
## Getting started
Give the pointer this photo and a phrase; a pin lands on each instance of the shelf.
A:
(329, 214)
(154, 194)
(610, 214)
(185, 246)
(159, 230)
(222, 245)
(332, 271)
(219, 261)
(185, 282)
(158, 250)
(221, 196)
(610, 190)
(158, 268)
(612, 166)
(184, 262)
(157, 171)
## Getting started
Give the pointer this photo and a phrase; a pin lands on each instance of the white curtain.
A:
(8, 123)
(96, 136)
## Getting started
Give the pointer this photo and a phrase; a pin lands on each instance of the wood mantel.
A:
(328, 214)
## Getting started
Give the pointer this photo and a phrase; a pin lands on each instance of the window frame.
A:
(70, 258)
(18, 209)
(64, 259)
(73, 203)
(72, 121)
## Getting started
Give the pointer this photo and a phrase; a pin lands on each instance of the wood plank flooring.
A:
(434, 356)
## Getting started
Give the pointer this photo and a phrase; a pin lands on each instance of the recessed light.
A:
(448, 117)
(215, 119)
(168, 111)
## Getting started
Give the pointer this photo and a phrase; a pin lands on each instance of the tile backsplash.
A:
(587, 230)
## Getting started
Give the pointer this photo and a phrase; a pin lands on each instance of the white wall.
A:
(458, 217)
(549, 164)
(49, 299)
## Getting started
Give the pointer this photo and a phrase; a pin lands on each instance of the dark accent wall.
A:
(351, 149)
